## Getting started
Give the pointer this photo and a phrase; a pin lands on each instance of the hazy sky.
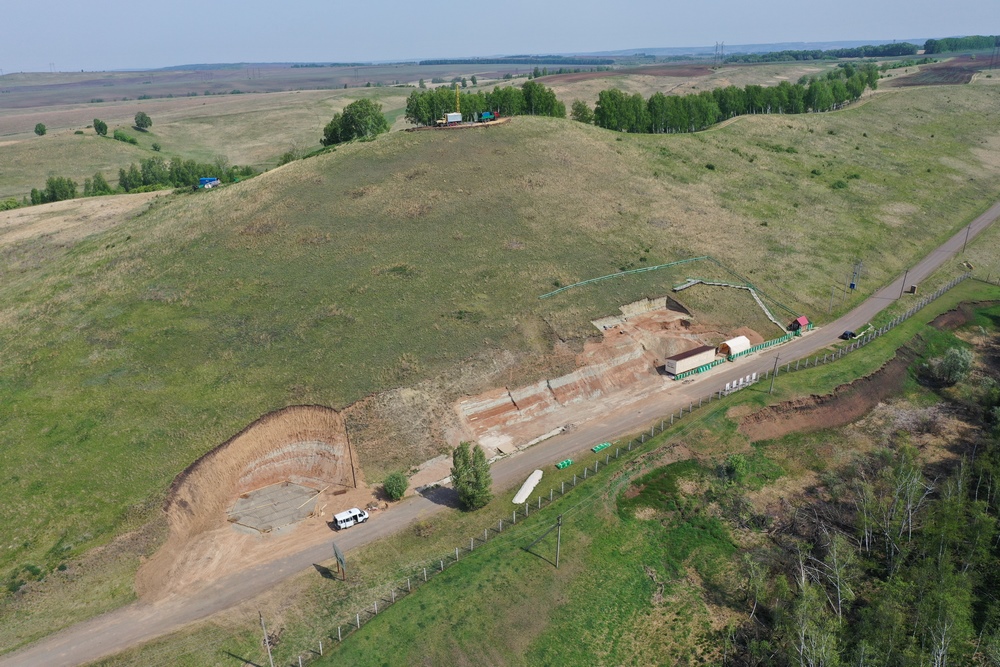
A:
(120, 34)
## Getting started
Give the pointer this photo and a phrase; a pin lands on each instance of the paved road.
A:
(136, 623)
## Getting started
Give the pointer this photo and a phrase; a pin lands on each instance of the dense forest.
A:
(689, 113)
(423, 107)
(972, 43)
(868, 51)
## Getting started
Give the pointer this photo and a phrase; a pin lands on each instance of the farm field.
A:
(248, 129)
(671, 571)
(394, 263)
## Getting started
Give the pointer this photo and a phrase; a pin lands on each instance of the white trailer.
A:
(453, 117)
(687, 361)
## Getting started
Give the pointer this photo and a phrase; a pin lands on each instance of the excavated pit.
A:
(272, 474)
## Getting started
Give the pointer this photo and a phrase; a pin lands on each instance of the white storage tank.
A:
(687, 361)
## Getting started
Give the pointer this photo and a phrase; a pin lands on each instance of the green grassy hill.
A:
(129, 354)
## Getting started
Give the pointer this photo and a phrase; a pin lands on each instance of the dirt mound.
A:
(846, 404)
(962, 315)
(305, 445)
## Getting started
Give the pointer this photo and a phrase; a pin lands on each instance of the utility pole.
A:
(903, 286)
(558, 538)
(774, 373)
(830, 308)
(967, 230)
(267, 642)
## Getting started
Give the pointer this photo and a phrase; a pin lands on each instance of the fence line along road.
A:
(139, 622)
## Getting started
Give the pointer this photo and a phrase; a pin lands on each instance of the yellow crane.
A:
(458, 104)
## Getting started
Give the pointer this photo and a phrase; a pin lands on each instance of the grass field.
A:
(130, 353)
(249, 129)
(501, 605)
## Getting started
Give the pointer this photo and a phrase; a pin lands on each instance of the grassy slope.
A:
(129, 354)
(250, 129)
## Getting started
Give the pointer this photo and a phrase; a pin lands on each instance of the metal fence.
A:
(424, 572)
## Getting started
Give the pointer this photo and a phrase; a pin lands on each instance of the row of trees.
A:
(522, 60)
(867, 51)
(155, 173)
(972, 43)
(150, 174)
(423, 107)
(661, 113)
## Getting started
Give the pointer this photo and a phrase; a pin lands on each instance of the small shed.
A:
(687, 361)
(799, 323)
(735, 346)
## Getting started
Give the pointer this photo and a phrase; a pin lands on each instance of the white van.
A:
(348, 518)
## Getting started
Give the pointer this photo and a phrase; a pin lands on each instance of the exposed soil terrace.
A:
(847, 403)
(304, 445)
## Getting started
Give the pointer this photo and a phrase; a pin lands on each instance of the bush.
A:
(839, 185)
(395, 485)
(156, 147)
(40, 129)
(100, 127)
(470, 476)
(121, 136)
(952, 368)
(9, 204)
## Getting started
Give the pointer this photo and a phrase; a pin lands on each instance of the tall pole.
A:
(267, 642)
(830, 309)
(967, 230)
(774, 373)
(903, 286)
(558, 538)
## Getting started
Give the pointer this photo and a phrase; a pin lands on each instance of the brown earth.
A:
(681, 71)
(307, 445)
(952, 72)
(847, 403)
(960, 316)
(619, 367)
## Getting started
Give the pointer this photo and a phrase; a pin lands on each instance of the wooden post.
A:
(442, 565)
(550, 495)
(376, 607)
(267, 641)
(321, 647)
(485, 534)
(339, 637)
(357, 620)
(392, 594)
(558, 538)
(425, 574)
(407, 584)
(456, 553)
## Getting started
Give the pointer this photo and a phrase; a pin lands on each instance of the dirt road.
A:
(126, 627)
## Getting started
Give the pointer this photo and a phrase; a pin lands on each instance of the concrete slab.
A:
(273, 507)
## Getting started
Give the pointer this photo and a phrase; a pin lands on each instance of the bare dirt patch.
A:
(70, 220)
(952, 72)
(846, 404)
(304, 445)
(960, 316)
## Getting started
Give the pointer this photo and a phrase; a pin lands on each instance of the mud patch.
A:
(847, 403)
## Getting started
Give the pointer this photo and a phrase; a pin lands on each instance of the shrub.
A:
(395, 485)
(710, 166)
(839, 185)
(119, 135)
(40, 129)
(156, 147)
(952, 368)
(78, 132)
(8, 204)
